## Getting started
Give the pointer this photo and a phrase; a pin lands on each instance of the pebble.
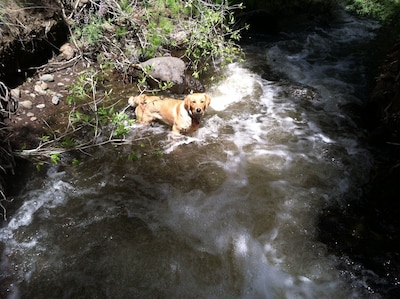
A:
(40, 106)
(179, 37)
(44, 86)
(30, 114)
(16, 93)
(33, 118)
(47, 78)
(26, 104)
(39, 89)
(55, 100)
(67, 51)
(60, 84)
(107, 26)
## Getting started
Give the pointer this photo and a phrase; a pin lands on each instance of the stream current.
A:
(229, 213)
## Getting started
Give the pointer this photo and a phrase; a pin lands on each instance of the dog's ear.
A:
(186, 102)
(208, 100)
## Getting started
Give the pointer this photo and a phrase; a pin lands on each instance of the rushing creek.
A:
(228, 213)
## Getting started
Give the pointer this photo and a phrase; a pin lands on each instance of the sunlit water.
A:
(229, 213)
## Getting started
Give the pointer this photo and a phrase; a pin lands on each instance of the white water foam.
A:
(20, 241)
(236, 87)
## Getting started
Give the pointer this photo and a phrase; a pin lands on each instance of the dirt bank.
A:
(30, 37)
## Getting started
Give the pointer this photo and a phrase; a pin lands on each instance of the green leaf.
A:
(55, 158)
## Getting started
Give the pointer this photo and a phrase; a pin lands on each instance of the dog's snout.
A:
(198, 110)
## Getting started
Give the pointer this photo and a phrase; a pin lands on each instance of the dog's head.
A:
(196, 104)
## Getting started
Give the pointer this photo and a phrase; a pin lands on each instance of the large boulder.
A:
(170, 69)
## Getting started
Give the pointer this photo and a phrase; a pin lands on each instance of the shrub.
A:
(382, 10)
(129, 32)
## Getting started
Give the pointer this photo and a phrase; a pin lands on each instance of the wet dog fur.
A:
(184, 116)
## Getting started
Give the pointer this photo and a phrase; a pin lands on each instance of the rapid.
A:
(229, 213)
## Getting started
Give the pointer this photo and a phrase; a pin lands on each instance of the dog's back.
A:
(149, 108)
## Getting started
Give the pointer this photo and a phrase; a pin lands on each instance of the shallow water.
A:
(229, 213)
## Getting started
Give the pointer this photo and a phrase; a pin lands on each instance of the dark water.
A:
(230, 213)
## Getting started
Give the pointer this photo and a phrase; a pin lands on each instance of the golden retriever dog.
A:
(183, 115)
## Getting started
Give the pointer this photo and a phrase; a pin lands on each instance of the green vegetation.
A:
(128, 32)
(386, 11)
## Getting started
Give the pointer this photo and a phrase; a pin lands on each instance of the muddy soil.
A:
(42, 103)
(31, 36)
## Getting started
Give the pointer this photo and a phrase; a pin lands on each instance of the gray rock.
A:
(55, 100)
(171, 69)
(26, 104)
(168, 69)
(47, 78)
(179, 37)
(39, 89)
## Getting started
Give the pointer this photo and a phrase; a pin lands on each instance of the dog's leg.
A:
(139, 113)
(175, 129)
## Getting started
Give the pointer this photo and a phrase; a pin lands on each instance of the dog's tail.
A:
(136, 101)
(131, 101)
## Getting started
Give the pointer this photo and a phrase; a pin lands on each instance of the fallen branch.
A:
(45, 149)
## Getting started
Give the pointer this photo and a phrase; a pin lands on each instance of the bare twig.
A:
(7, 100)
(2, 199)
(42, 151)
